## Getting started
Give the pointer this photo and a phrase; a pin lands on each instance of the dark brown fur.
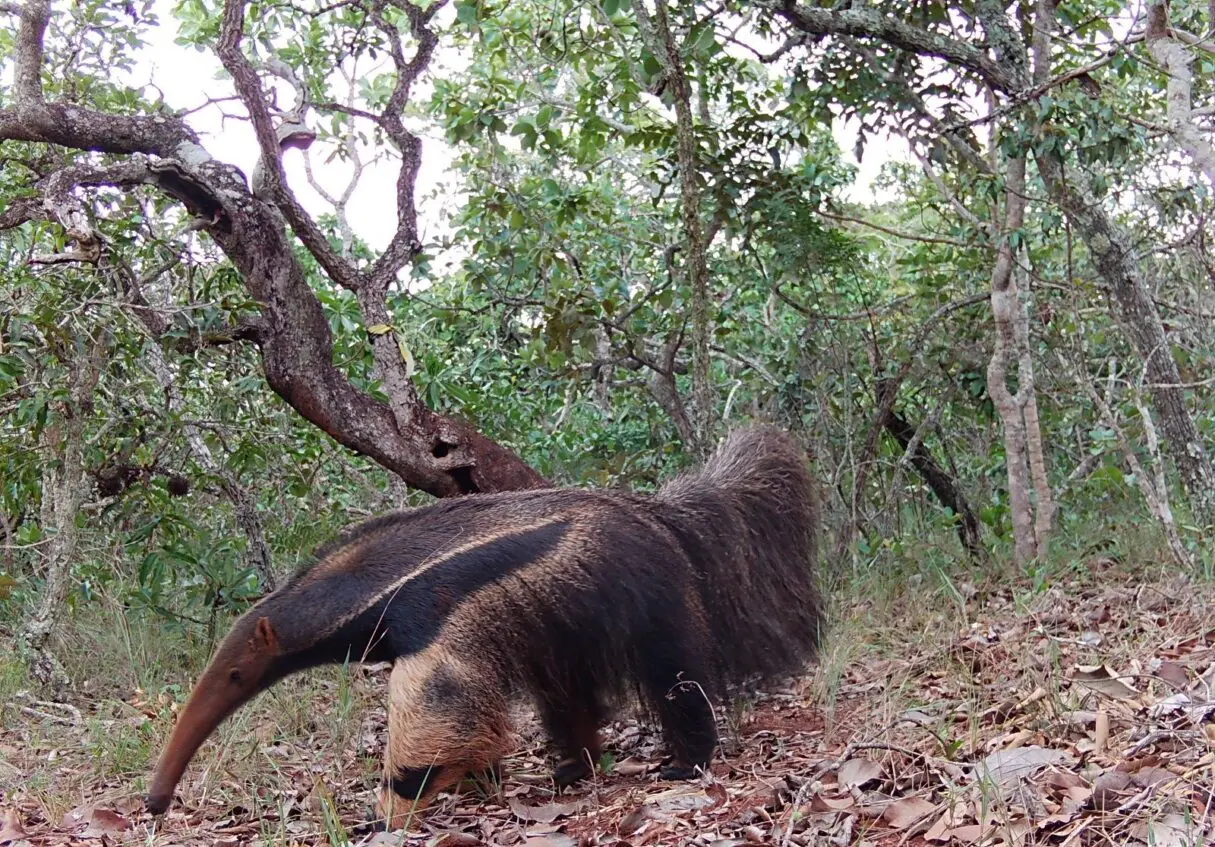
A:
(574, 599)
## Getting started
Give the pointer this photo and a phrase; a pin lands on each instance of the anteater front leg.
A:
(674, 679)
(445, 718)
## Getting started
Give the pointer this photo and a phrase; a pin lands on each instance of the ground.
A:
(1079, 713)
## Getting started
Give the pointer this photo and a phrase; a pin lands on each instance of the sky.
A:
(187, 78)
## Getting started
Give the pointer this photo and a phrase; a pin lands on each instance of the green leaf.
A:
(466, 13)
(379, 329)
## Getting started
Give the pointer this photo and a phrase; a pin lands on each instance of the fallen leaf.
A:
(1006, 766)
(105, 822)
(546, 813)
(904, 812)
(937, 831)
(552, 840)
(680, 799)
(1173, 673)
(1172, 830)
(12, 830)
(820, 804)
(630, 767)
(1102, 680)
(456, 839)
(856, 772)
(1064, 779)
(1110, 789)
(634, 821)
(968, 834)
(1152, 775)
(75, 817)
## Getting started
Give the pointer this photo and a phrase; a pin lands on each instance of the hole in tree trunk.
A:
(440, 450)
(464, 479)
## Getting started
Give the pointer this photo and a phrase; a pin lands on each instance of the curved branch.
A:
(249, 86)
(428, 451)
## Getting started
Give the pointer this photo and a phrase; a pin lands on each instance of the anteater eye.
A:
(234, 674)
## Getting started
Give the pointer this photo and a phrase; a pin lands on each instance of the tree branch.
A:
(1177, 61)
(270, 172)
(404, 244)
(871, 23)
(908, 236)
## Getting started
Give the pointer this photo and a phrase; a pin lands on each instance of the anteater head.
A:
(244, 665)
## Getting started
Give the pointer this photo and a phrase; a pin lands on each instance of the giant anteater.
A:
(575, 598)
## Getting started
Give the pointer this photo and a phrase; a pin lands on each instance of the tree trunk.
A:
(1115, 260)
(437, 454)
(1022, 439)
(1153, 487)
(696, 264)
(1114, 257)
(1176, 61)
(65, 486)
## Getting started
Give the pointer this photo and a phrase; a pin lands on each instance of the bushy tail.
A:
(749, 521)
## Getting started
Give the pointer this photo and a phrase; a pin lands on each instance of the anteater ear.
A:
(264, 636)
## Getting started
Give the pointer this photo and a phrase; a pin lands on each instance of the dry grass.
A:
(886, 742)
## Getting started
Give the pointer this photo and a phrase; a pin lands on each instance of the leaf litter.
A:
(1085, 717)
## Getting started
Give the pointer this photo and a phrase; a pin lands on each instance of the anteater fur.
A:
(572, 598)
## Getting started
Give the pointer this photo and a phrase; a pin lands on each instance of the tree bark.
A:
(1108, 245)
(1111, 252)
(696, 264)
(1018, 412)
(65, 487)
(1176, 61)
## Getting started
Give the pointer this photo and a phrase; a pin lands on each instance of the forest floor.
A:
(1078, 714)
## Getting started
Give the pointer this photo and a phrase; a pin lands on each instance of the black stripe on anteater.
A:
(408, 619)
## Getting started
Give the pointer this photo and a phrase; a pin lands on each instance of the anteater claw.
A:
(157, 804)
(675, 772)
(569, 771)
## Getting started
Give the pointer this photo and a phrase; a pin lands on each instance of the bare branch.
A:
(249, 86)
(696, 266)
(1202, 43)
(871, 23)
(404, 244)
(19, 211)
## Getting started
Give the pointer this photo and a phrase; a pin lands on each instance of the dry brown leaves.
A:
(1082, 718)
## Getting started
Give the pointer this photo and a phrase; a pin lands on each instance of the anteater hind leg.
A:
(675, 682)
(572, 718)
(445, 718)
